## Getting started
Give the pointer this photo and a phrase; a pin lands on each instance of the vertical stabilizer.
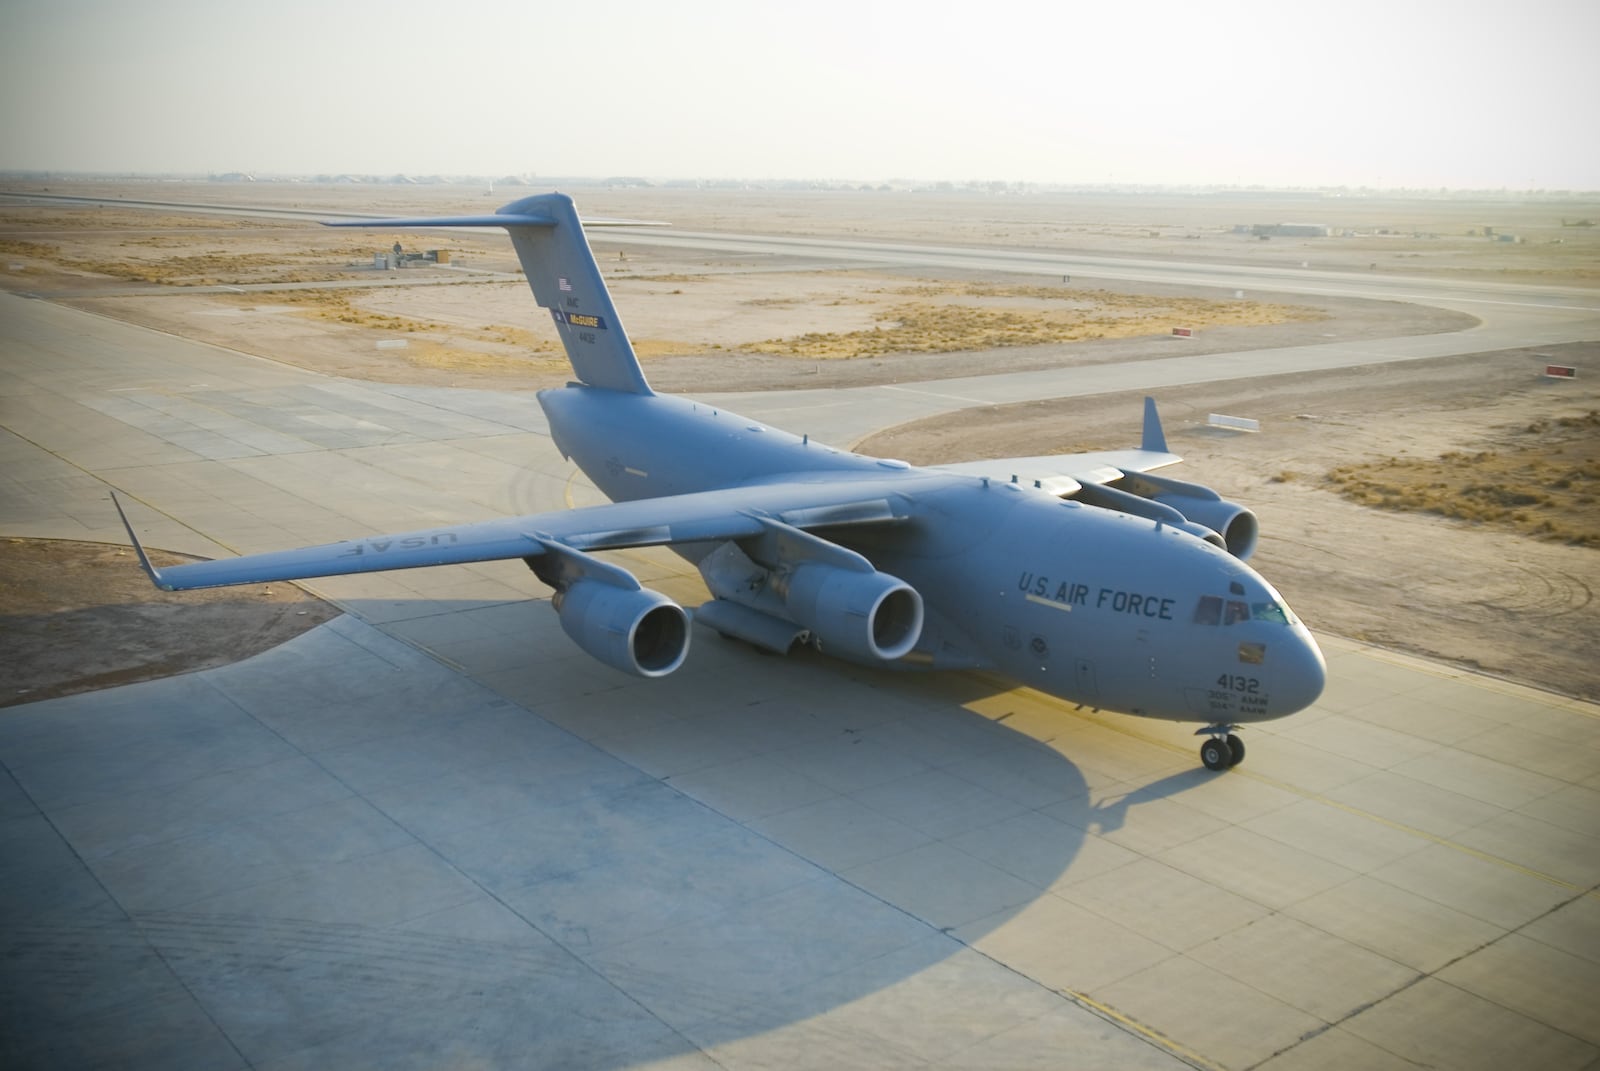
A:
(562, 272)
(1154, 439)
(565, 279)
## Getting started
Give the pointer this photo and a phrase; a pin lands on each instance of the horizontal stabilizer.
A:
(496, 219)
(521, 219)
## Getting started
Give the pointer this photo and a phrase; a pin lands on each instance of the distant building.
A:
(1290, 230)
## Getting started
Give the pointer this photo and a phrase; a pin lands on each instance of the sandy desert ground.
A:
(1481, 589)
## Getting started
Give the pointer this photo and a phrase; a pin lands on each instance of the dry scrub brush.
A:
(1543, 482)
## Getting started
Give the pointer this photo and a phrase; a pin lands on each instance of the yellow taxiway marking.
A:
(1148, 1032)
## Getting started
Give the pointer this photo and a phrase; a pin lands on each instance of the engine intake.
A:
(637, 631)
(1236, 525)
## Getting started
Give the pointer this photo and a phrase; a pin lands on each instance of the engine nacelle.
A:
(866, 615)
(637, 631)
(1198, 503)
(1236, 525)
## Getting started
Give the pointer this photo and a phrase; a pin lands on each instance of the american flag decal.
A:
(561, 281)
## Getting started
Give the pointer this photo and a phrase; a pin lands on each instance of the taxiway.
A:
(433, 832)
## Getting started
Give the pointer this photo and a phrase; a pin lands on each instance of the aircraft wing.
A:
(1065, 474)
(733, 513)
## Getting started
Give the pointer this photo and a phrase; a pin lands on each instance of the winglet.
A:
(1154, 439)
(144, 559)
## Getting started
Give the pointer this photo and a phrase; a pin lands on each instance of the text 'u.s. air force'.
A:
(1117, 601)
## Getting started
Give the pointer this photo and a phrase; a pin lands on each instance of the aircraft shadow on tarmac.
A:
(477, 843)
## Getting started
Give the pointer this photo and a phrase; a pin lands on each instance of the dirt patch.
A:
(82, 616)
(950, 318)
(1465, 591)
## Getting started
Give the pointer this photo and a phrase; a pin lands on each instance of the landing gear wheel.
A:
(1235, 750)
(1216, 754)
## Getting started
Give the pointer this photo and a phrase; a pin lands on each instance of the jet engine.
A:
(1236, 525)
(1200, 504)
(637, 631)
(871, 616)
(835, 595)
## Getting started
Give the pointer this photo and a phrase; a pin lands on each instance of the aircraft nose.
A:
(1304, 672)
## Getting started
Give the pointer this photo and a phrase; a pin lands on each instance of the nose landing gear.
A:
(1223, 750)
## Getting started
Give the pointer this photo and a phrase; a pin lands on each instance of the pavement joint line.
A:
(1433, 975)
(567, 494)
(1315, 797)
(935, 394)
(246, 354)
(422, 648)
(1425, 835)
(105, 483)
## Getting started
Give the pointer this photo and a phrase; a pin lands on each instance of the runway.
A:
(433, 833)
(1165, 271)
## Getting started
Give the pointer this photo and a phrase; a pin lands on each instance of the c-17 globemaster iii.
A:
(1085, 576)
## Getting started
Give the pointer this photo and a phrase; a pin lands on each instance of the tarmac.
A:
(432, 833)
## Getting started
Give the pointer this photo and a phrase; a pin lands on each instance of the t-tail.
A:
(561, 271)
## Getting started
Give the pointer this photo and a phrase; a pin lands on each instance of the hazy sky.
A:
(1466, 93)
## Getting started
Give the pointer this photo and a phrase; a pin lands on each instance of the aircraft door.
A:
(1083, 678)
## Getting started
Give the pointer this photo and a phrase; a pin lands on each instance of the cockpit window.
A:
(1269, 611)
(1213, 610)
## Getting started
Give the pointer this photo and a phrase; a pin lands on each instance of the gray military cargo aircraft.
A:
(1085, 576)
